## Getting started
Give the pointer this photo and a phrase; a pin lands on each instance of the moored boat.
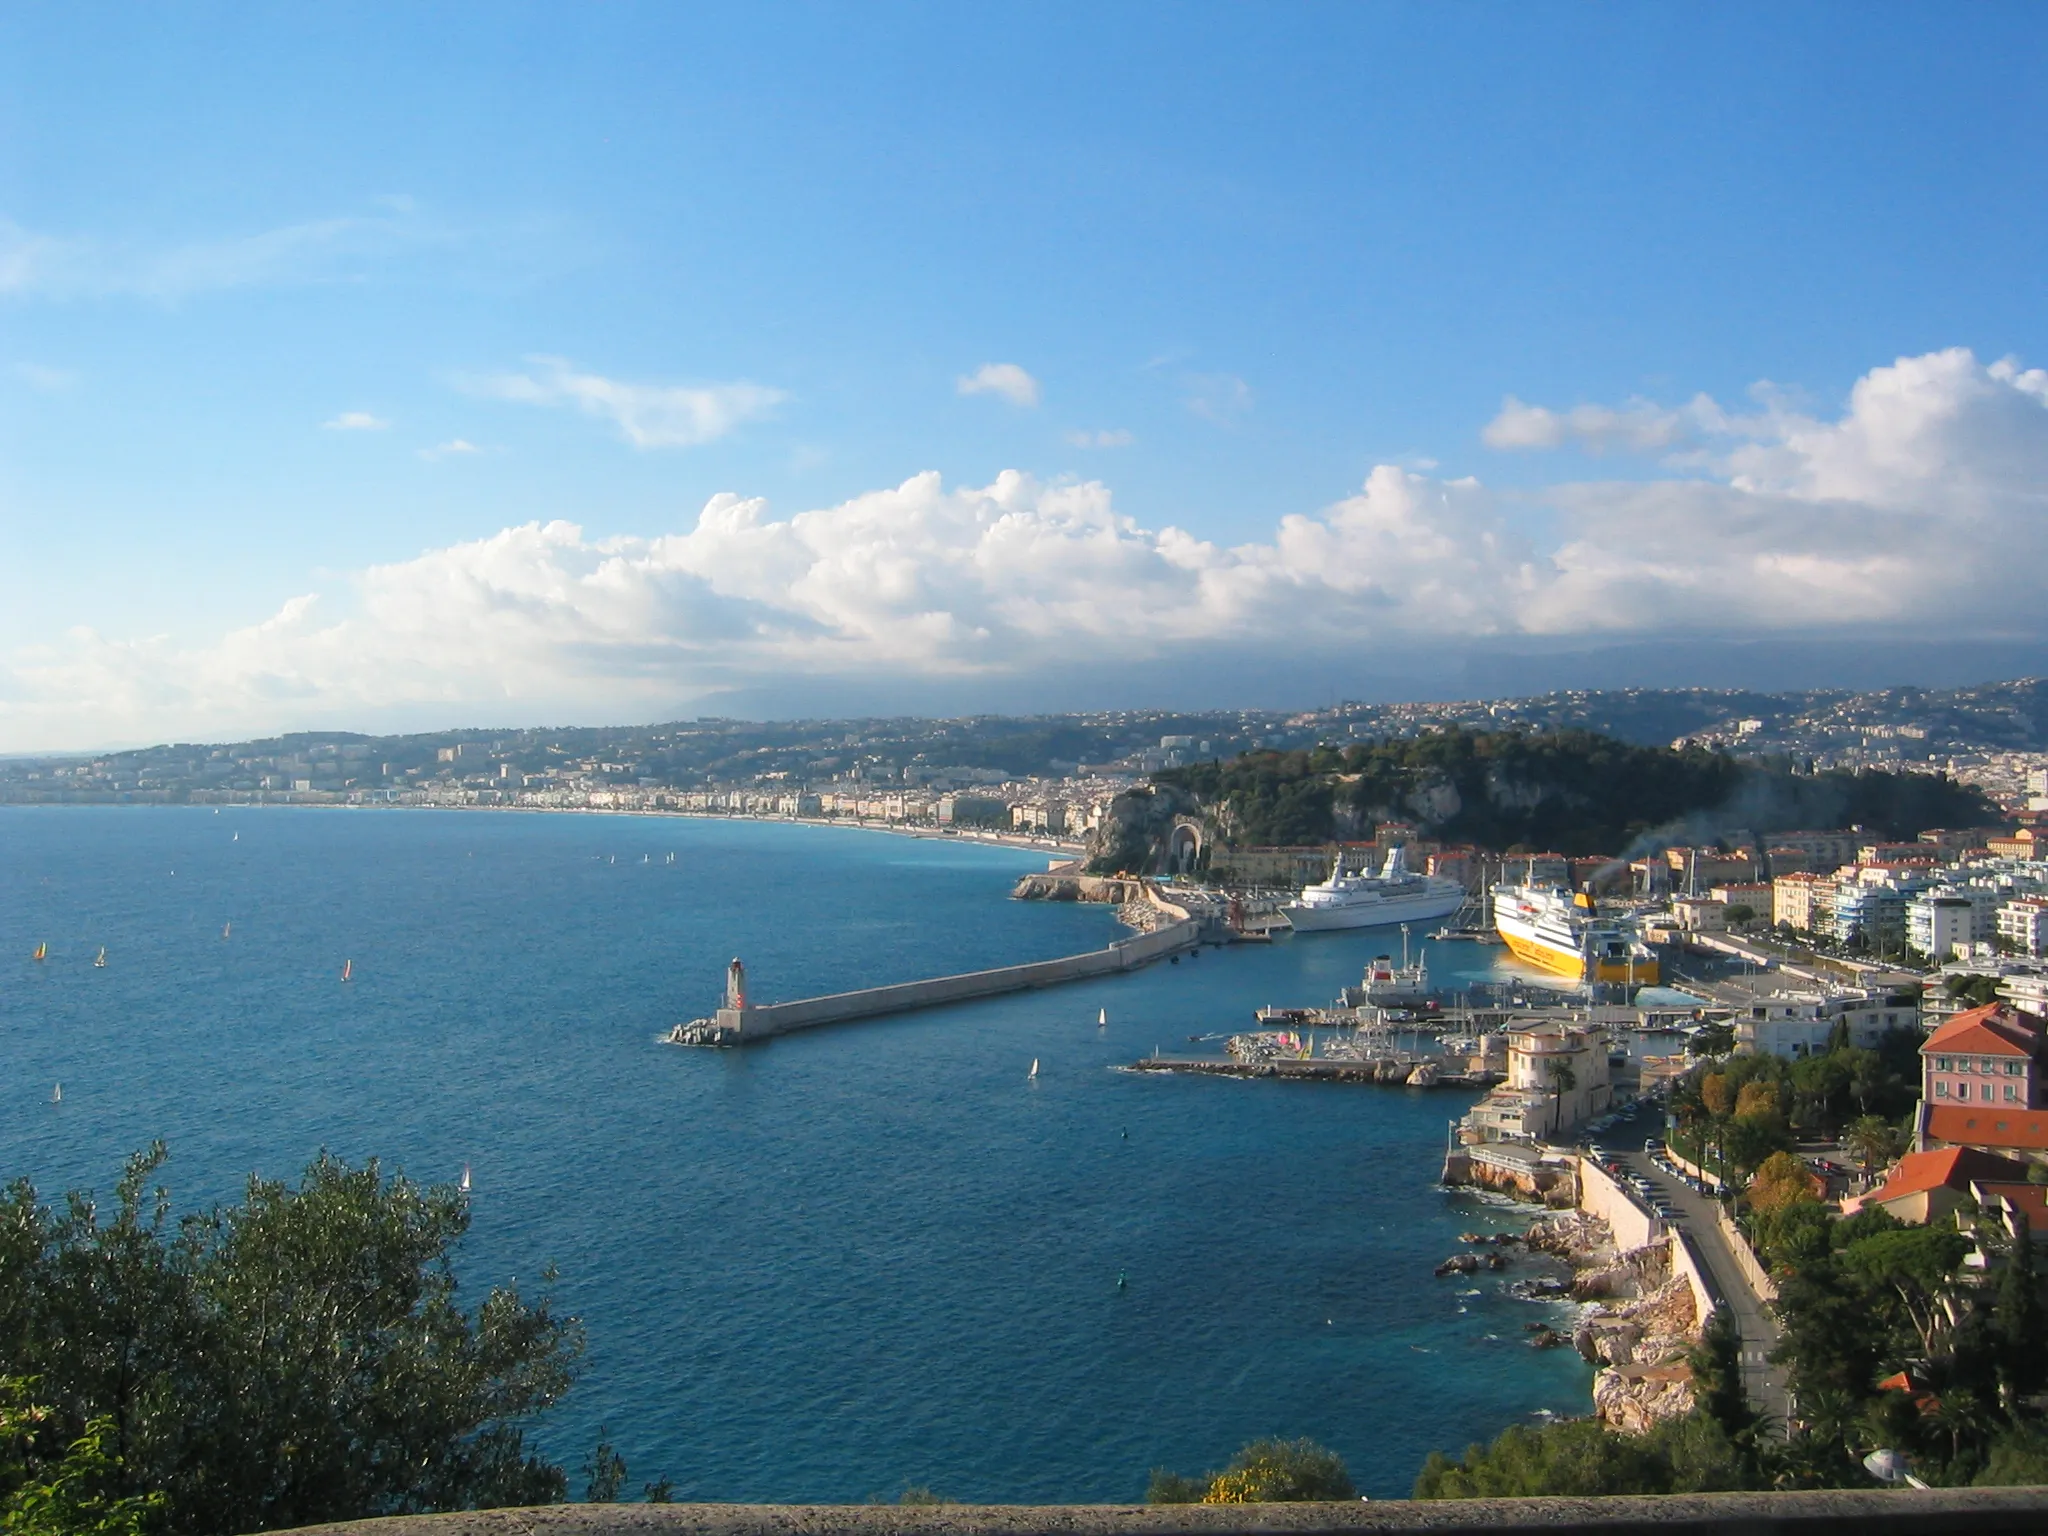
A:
(1564, 933)
(1394, 895)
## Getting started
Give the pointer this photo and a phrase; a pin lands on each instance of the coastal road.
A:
(1764, 1382)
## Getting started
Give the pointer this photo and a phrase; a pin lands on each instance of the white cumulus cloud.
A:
(1920, 500)
(355, 421)
(1005, 379)
(647, 415)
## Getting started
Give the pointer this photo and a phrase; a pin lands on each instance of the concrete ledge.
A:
(1875, 1512)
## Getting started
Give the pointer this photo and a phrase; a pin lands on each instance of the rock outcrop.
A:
(1132, 839)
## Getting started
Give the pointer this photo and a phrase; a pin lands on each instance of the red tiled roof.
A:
(1949, 1168)
(2023, 1130)
(1993, 1030)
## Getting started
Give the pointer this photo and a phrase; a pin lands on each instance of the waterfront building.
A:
(1558, 1078)
(1778, 1014)
(1870, 908)
(1694, 870)
(1536, 869)
(1465, 864)
(1803, 901)
(1946, 921)
(1286, 867)
(1700, 914)
(1755, 895)
(2023, 924)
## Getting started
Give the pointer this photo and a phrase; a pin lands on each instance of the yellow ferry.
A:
(1552, 927)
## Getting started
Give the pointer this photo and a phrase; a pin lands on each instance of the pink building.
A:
(1989, 1056)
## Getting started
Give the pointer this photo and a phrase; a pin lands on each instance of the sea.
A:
(823, 1269)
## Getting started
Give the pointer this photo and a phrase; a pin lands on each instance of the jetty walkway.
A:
(741, 1021)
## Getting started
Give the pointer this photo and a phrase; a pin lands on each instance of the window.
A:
(1941, 1090)
(2012, 1094)
(2012, 1069)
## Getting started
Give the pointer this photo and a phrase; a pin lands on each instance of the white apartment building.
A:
(1939, 920)
(1780, 1015)
(2023, 923)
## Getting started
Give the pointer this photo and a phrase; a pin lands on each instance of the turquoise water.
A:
(819, 1269)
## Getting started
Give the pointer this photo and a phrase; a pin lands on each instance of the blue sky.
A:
(327, 305)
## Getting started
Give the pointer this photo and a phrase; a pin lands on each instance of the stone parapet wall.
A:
(1843, 1512)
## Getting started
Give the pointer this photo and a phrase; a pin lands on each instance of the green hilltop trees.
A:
(1572, 792)
(296, 1358)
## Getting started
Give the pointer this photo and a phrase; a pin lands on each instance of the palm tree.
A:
(1563, 1080)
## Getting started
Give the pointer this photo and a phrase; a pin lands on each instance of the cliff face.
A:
(1133, 835)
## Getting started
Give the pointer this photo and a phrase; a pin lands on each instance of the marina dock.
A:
(1388, 1073)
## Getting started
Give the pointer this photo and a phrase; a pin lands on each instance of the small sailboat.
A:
(236, 838)
(1102, 1019)
(42, 952)
(1034, 1069)
(464, 1186)
(100, 960)
(348, 970)
(226, 929)
(57, 1094)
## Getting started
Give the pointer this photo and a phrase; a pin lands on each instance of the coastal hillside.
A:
(1575, 792)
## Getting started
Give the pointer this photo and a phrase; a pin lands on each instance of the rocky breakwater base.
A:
(1113, 890)
(1640, 1324)
(1638, 1321)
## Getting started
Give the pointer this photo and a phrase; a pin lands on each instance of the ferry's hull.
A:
(1569, 962)
(1375, 914)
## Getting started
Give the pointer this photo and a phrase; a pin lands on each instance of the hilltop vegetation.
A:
(1576, 792)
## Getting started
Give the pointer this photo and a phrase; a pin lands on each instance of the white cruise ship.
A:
(1394, 895)
(1549, 926)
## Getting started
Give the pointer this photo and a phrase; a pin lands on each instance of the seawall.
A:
(765, 1020)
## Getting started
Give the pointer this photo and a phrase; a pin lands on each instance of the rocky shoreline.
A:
(1639, 1322)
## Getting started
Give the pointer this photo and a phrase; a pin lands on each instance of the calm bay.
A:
(819, 1269)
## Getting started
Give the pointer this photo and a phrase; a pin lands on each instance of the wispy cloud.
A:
(1116, 437)
(1004, 379)
(1636, 426)
(647, 415)
(355, 421)
(1223, 398)
(48, 381)
(36, 264)
(455, 447)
